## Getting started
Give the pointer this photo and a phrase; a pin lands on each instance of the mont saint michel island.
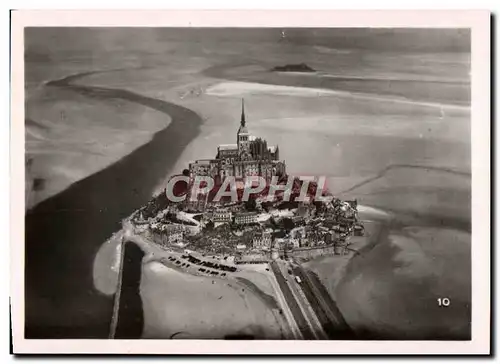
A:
(247, 183)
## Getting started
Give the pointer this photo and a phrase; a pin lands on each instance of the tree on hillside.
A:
(251, 204)
(320, 206)
(266, 205)
(288, 224)
(210, 225)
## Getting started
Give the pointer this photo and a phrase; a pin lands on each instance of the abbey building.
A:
(250, 156)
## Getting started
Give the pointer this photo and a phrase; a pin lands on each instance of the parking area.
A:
(194, 265)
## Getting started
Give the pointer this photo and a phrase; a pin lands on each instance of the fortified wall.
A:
(314, 252)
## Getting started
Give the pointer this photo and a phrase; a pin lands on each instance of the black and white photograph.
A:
(257, 183)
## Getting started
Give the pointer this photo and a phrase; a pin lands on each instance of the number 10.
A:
(443, 302)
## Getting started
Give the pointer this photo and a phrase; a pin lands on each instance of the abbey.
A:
(250, 156)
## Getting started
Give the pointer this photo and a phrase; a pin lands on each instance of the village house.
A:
(221, 215)
(295, 243)
(304, 210)
(298, 232)
(196, 205)
(168, 234)
(262, 240)
(244, 218)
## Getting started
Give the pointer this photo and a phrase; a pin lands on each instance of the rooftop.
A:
(227, 146)
(250, 213)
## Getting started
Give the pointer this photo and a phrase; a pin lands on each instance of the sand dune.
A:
(241, 314)
(368, 212)
(241, 89)
(380, 76)
(71, 134)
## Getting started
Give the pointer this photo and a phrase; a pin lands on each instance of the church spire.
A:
(242, 112)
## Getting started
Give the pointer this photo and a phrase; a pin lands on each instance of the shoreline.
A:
(222, 73)
(65, 231)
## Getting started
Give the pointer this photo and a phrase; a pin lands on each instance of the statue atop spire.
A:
(243, 112)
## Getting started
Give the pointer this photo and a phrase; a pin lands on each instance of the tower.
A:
(243, 135)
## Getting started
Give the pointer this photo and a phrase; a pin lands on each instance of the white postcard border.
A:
(478, 21)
